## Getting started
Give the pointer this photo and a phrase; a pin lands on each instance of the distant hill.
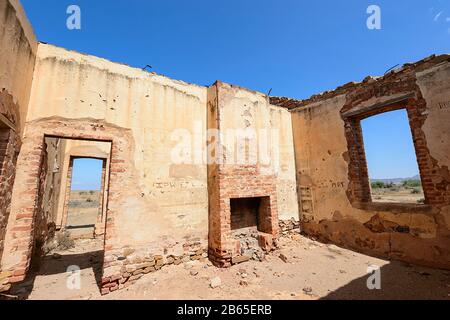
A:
(396, 180)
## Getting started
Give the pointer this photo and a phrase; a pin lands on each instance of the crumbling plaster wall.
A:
(253, 157)
(414, 233)
(243, 109)
(153, 203)
(18, 48)
(165, 196)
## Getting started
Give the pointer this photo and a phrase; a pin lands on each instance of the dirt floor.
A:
(312, 271)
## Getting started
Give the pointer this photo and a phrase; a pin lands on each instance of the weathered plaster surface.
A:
(412, 233)
(152, 108)
(252, 158)
(18, 48)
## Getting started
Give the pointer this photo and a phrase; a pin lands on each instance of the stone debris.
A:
(137, 264)
(307, 290)
(243, 283)
(215, 282)
(249, 246)
(296, 237)
(283, 258)
(194, 273)
(290, 226)
(239, 259)
(191, 264)
(4, 285)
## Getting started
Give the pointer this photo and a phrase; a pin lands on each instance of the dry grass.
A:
(398, 195)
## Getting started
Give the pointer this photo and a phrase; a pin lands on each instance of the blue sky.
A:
(86, 174)
(389, 146)
(296, 48)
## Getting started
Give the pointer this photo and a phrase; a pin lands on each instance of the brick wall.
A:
(244, 213)
(234, 183)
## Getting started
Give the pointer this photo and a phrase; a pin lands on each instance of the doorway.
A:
(85, 197)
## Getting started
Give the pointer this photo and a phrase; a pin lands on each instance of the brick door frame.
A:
(21, 225)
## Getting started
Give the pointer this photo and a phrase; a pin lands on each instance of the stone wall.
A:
(334, 191)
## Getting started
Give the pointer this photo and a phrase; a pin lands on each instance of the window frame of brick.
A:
(359, 191)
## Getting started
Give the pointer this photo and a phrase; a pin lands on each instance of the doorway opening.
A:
(85, 197)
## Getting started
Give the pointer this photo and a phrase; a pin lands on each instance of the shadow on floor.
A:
(399, 281)
(58, 264)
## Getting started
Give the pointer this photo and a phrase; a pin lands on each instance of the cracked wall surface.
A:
(18, 48)
(334, 198)
(237, 170)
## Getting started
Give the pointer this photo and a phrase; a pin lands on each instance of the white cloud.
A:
(436, 17)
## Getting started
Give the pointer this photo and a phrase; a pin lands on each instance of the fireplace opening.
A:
(244, 213)
(250, 217)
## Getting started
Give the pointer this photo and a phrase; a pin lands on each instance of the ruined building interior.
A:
(58, 105)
